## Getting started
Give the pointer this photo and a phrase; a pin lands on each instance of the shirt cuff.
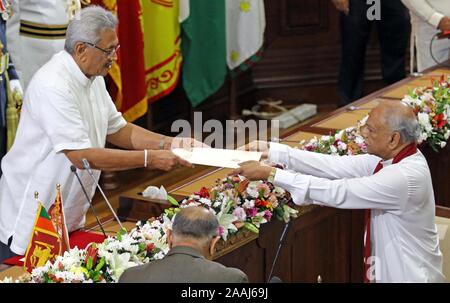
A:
(435, 19)
(295, 183)
(279, 153)
(116, 126)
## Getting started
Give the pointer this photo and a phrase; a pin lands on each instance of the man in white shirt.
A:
(68, 115)
(429, 17)
(392, 182)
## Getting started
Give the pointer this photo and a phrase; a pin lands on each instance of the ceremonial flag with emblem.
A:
(162, 40)
(246, 23)
(128, 74)
(203, 46)
(45, 243)
(56, 213)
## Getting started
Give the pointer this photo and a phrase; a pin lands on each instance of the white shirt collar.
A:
(387, 162)
(75, 69)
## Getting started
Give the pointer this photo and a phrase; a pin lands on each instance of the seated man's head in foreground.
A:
(195, 227)
(391, 126)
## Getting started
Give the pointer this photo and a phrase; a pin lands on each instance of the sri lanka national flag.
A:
(45, 243)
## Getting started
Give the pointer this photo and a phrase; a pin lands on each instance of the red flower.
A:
(203, 193)
(261, 203)
(91, 251)
(150, 247)
(440, 121)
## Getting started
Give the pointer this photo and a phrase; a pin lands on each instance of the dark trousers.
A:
(5, 251)
(393, 33)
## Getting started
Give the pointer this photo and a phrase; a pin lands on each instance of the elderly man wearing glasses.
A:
(68, 116)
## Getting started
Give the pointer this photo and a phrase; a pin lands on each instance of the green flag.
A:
(203, 45)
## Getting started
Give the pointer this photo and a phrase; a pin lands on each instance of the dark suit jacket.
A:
(183, 265)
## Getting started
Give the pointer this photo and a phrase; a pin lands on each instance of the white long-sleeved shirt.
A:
(404, 237)
(432, 11)
(425, 18)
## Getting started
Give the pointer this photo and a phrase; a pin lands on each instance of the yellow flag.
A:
(162, 40)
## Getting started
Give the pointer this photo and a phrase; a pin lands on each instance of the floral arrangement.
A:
(238, 203)
(345, 142)
(432, 106)
(105, 262)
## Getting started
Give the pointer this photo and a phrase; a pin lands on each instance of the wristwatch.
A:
(271, 177)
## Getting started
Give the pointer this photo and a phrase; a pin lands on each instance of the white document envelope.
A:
(228, 158)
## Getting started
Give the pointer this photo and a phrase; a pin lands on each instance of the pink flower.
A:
(220, 231)
(265, 189)
(239, 212)
(251, 212)
(268, 215)
(273, 200)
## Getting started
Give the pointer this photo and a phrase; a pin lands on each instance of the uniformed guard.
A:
(37, 31)
(10, 89)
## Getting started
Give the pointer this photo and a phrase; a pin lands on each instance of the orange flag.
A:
(45, 244)
(56, 213)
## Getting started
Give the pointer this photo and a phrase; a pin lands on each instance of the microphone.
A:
(275, 279)
(74, 170)
(89, 170)
(280, 244)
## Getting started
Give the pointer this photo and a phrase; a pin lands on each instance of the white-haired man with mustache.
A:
(67, 116)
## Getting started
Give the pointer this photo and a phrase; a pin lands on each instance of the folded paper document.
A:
(228, 158)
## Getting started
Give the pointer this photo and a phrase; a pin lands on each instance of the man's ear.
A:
(170, 238)
(212, 245)
(395, 140)
(80, 49)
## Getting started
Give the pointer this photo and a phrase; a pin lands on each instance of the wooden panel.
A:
(206, 181)
(428, 79)
(348, 119)
(302, 17)
(295, 139)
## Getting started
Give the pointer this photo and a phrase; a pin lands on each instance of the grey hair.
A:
(87, 25)
(407, 127)
(195, 222)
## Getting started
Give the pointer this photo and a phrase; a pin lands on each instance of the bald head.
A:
(398, 117)
(196, 223)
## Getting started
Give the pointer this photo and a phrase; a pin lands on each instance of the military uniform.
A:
(37, 31)
(7, 73)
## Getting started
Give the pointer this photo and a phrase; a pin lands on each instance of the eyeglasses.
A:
(109, 52)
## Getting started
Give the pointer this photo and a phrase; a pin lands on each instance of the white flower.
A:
(359, 140)
(423, 137)
(447, 134)
(252, 191)
(205, 201)
(333, 149)
(248, 204)
(424, 121)
(118, 263)
(443, 144)
(342, 145)
(339, 134)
